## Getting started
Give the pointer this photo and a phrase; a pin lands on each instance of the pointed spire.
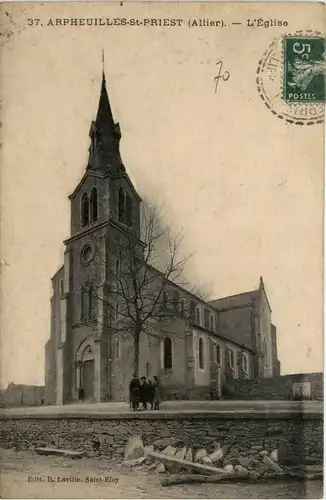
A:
(105, 135)
(104, 119)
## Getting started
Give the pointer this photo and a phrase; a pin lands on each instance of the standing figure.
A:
(157, 397)
(151, 393)
(144, 389)
(134, 391)
(81, 394)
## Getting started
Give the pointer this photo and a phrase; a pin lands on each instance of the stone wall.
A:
(278, 388)
(298, 437)
(50, 373)
(187, 393)
(22, 395)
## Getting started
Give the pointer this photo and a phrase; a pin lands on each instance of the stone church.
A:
(205, 343)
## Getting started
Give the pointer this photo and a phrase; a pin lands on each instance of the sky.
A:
(245, 187)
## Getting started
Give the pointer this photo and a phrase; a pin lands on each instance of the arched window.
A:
(231, 359)
(244, 362)
(128, 210)
(84, 210)
(201, 353)
(167, 355)
(93, 201)
(121, 204)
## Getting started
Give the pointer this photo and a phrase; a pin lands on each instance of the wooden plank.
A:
(193, 466)
(60, 453)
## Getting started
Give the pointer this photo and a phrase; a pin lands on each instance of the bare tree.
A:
(137, 280)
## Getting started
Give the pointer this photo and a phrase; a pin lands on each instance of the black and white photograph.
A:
(162, 249)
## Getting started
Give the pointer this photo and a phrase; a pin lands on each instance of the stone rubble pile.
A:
(170, 455)
(140, 457)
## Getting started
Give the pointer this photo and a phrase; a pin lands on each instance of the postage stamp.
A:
(291, 84)
(304, 69)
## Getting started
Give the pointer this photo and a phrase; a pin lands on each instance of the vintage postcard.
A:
(162, 192)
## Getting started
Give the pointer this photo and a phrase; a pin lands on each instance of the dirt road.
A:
(27, 475)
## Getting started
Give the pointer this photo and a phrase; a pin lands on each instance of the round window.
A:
(87, 253)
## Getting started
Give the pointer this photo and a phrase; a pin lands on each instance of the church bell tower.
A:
(105, 209)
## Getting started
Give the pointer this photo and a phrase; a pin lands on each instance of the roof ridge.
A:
(235, 295)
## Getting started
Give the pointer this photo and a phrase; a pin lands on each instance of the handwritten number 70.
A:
(222, 75)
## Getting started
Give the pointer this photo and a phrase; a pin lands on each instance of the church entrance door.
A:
(85, 370)
(88, 379)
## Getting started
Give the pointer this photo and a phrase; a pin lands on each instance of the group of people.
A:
(144, 392)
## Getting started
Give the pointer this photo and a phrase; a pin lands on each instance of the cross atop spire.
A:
(103, 65)
(104, 119)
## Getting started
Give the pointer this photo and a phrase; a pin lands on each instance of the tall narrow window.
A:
(117, 348)
(61, 289)
(117, 268)
(83, 305)
(231, 359)
(198, 316)
(218, 354)
(244, 360)
(206, 318)
(167, 345)
(212, 322)
(164, 301)
(176, 302)
(121, 204)
(90, 302)
(201, 353)
(84, 210)
(93, 203)
(183, 307)
(128, 211)
(192, 311)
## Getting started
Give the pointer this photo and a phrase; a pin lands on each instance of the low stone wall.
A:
(22, 395)
(184, 393)
(278, 388)
(298, 437)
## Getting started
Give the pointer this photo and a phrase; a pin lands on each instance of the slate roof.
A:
(234, 301)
